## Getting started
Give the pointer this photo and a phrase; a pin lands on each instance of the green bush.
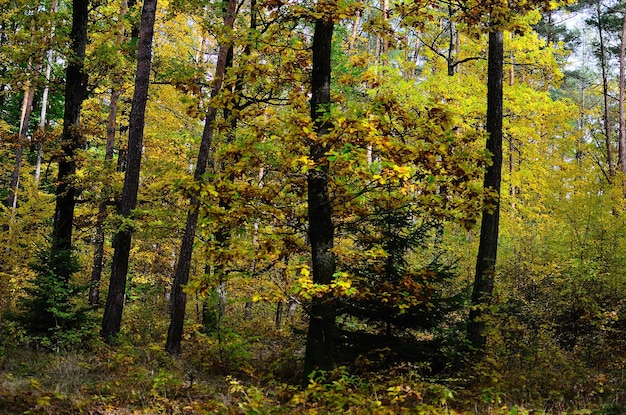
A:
(51, 313)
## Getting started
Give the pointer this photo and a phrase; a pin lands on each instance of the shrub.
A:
(50, 313)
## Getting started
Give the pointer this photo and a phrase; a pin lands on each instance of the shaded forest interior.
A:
(261, 206)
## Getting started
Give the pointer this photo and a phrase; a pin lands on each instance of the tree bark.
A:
(44, 98)
(605, 94)
(320, 345)
(98, 256)
(112, 319)
(278, 317)
(27, 105)
(71, 139)
(181, 276)
(622, 113)
(488, 246)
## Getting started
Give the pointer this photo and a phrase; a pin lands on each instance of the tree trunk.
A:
(181, 276)
(452, 42)
(488, 246)
(42, 116)
(27, 105)
(122, 240)
(605, 94)
(355, 28)
(320, 345)
(44, 99)
(98, 256)
(278, 319)
(71, 139)
(622, 113)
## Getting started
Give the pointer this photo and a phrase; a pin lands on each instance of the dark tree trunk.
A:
(181, 275)
(98, 256)
(488, 247)
(605, 94)
(320, 345)
(622, 113)
(222, 236)
(71, 139)
(122, 240)
(278, 319)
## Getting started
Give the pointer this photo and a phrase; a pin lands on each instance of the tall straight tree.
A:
(27, 105)
(605, 90)
(114, 307)
(71, 140)
(44, 96)
(98, 256)
(622, 97)
(489, 227)
(320, 344)
(181, 275)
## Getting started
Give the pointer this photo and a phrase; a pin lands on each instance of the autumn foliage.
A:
(310, 196)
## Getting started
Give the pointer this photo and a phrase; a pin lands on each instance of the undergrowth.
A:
(256, 370)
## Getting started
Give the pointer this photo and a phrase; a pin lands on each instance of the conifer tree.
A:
(114, 307)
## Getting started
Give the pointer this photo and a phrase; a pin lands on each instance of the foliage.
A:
(51, 313)
(405, 167)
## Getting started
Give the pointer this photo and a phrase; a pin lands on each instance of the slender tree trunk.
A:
(27, 105)
(488, 246)
(452, 43)
(44, 99)
(181, 276)
(622, 113)
(511, 143)
(355, 29)
(384, 41)
(42, 115)
(320, 344)
(98, 256)
(278, 319)
(605, 94)
(112, 319)
(71, 139)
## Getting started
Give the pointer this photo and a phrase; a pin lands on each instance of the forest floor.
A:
(127, 379)
(256, 373)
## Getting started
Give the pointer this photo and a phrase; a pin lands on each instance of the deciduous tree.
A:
(320, 346)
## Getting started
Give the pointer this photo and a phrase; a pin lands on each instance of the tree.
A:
(71, 139)
(489, 227)
(500, 17)
(320, 345)
(114, 307)
(181, 276)
(44, 98)
(117, 80)
(27, 106)
(602, 51)
(622, 97)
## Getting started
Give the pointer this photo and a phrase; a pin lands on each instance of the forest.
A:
(312, 207)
